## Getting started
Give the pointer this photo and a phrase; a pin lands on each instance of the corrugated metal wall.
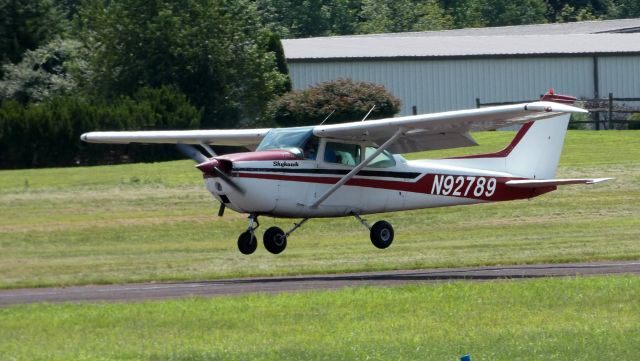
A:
(438, 85)
(619, 75)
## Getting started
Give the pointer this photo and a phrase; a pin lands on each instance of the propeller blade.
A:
(191, 152)
(228, 180)
(221, 210)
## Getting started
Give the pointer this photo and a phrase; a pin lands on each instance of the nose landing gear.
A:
(247, 242)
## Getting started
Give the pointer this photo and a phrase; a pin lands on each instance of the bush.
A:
(350, 100)
(48, 133)
(634, 121)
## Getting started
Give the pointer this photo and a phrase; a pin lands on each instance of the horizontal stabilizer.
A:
(539, 183)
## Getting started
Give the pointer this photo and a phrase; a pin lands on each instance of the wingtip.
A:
(548, 106)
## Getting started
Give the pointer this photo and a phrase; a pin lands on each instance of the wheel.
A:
(274, 240)
(247, 243)
(382, 234)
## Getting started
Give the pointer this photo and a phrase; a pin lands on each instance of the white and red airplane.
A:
(352, 169)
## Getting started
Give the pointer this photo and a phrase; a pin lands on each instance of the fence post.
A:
(610, 109)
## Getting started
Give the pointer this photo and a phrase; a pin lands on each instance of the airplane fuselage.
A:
(280, 185)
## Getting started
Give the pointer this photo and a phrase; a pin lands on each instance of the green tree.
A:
(568, 14)
(481, 13)
(214, 51)
(26, 25)
(628, 8)
(275, 46)
(307, 18)
(52, 69)
(346, 99)
(402, 15)
(508, 12)
(570, 10)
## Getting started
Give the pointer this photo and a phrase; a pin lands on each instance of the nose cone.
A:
(208, 167)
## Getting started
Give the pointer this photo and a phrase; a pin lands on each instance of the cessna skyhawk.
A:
(355, 169)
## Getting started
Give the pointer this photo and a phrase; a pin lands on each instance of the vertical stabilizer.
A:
(533, 153)
(537, 152)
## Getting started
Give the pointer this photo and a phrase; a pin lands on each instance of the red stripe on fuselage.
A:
(424, 185)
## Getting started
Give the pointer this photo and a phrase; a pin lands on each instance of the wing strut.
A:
(359, 167)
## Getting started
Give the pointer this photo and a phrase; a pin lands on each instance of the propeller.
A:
(192, 152)
(208, 166)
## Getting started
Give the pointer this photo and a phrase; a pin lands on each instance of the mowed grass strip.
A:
(144, 222)
(594, 318)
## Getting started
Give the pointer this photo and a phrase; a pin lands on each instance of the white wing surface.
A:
(443, 130)
(419, 132)
(238, 137)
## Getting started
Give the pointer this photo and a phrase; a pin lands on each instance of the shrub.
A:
(348, 100)
(48, 133)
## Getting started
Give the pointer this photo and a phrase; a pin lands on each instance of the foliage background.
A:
(70, 66)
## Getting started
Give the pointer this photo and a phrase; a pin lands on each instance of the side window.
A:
(341, 153)
(383, 160)
(310, 148)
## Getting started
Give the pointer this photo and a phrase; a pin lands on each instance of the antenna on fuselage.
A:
(370, 110)
(328, 116)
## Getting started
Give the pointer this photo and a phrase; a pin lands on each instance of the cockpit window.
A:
(383, 160)
(346, 154)
(291, 139)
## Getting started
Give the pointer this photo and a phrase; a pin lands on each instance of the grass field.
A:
(596, 318)
(144, 222)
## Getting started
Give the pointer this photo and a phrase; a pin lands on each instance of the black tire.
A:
(381, 234)
(274, 240)
(247, 243)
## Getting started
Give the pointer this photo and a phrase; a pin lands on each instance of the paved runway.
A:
(154, 291)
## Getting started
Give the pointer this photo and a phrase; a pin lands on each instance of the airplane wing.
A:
(442, 130)
(419, 132)
(233, 137)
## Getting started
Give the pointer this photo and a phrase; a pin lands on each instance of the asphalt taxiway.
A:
(155, 291)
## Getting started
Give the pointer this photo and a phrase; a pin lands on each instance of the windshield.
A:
(291, 139)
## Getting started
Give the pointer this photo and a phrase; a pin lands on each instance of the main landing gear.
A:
(275, 239)
(381, 233)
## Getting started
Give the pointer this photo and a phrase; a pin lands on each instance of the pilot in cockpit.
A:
(310, 148)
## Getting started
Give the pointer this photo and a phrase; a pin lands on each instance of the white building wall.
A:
(439, 85)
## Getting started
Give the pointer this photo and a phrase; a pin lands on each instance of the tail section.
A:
(536, 153)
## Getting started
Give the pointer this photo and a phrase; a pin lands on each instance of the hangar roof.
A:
(588, 37)
(580, 27)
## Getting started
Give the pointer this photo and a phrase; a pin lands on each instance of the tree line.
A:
(70, 66)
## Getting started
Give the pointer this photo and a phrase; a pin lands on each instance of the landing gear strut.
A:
(247, 242)
(381, 233)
